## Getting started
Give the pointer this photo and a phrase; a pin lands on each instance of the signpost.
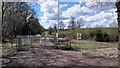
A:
(67, 41)
(78, 36)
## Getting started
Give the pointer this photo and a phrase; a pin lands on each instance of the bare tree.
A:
(72, 24)
(115, 24)
(55, 27)
(79, 22)
(61, 25)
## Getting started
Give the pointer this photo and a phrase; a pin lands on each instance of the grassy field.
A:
(92, 44)
(87, 31)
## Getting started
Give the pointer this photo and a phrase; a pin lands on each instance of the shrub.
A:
(62, 34)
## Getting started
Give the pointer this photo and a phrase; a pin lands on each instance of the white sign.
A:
(79, 36)
(57, 35)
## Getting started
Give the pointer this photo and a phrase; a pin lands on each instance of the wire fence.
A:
(11, 46)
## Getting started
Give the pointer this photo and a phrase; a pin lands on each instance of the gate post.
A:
(45, 40)
(19, 41)
(56, 40)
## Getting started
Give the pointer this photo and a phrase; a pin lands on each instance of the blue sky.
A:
(98, 16)
(37, 9)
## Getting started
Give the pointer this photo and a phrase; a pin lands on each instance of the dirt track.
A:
(39, 55)
(49, 57)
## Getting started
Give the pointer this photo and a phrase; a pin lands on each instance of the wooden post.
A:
(56, 40)
(16, 43)
(19, 44)
(45, 40)
(31, 38)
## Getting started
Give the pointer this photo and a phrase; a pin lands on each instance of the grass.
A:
(8, 49)
(92, 45)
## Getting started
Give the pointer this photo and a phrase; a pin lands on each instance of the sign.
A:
(78, 36)
(67, 38)
(67, 41)
(57, 35)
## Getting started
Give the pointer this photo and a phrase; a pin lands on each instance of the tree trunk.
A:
(118, 19)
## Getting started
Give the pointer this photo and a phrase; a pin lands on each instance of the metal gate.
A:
(24, 42)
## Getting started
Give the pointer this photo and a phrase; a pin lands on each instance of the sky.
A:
(102, 15)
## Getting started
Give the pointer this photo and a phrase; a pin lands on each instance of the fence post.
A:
(19, 43)
(45, 40)
(56, 40)
(30, 38)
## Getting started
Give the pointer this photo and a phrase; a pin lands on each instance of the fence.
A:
(21, 43)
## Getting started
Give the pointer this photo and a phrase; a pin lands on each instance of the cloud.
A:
(47, 23)
(49, 8)
(64, 5)
(99, 16)
(112, 22)
(104, 18)
(76, 10)
(113, 10)
(100, 5)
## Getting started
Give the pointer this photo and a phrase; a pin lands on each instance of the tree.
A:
(35, 26)
(50, 30)
(79, 22)
(61, 25)
(114, 24)
(72, 24)
(76, 23)
(118, 19)
(15, 17)
(99, 36)
(55, 27)
(72, 27)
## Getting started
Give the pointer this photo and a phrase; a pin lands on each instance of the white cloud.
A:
(64, 5)
(112, 10)
(102, 19)
(99, 16)
(100, 5)
(47, 23)
(50, 11)
(112, 22)
(76, 10)
(49, 8)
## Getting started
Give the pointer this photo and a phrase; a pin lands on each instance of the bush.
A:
(104, 37)
(62, 34)
(99, 36)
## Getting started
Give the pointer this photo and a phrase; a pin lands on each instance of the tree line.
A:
(18, 18)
